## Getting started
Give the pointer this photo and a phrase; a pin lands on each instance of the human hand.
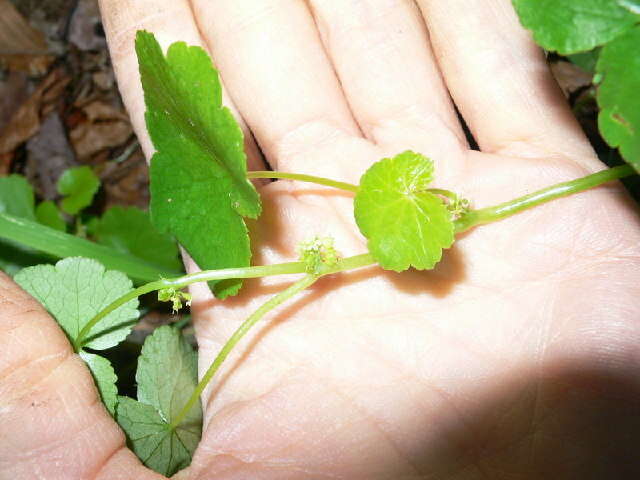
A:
(516, 358)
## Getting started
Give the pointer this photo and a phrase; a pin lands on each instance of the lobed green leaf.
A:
(74, 291)
(619, 95)
(571, 26)
(199, 189)
(166, 377)
(159, 448)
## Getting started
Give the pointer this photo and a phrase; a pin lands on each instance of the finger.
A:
(53, 424)
(500, 81)
(170, 22)
(277, 72)
(381, 52)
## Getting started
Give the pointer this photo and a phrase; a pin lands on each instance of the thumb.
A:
(53, 423)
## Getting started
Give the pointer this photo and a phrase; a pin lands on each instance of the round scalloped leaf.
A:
(78, 185)
(74, 290)
(406, 225)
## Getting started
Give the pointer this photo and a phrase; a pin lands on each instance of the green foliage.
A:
(60, 244)
(406, 225)
(16, 197)
(586, 60)
(48, 214)
(619, 95)
(199, 189)
(130, 230)
(78, 185)
(166, 377)
(105, 378)
(135, 246)
(571, 26)
(14, 258)
(74, 291)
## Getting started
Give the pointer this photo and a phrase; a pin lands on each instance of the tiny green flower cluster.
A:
(318, 255)
(459, 207)
(174, 296)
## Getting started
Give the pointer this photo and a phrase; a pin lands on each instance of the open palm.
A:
(517, 357)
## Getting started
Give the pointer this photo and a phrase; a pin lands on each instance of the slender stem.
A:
(471, 219)
(60, 244)
(183, 281)
(272, 303)
(349, 187)
(492, 214)
(452, 197)
(348, 263)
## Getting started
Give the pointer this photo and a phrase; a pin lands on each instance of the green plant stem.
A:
(344, 264)
(327, 182)
(473, 218)
(242, 330)
(448, 194)
(61, 244)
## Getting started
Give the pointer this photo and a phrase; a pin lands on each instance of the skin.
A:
(517, 358)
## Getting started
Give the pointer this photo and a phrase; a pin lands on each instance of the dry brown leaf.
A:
(34, 65)
(17, 37)
(25, 122)
(14, 90)
(104, 80)
(127, 182)
(22, 47)
(104, 126)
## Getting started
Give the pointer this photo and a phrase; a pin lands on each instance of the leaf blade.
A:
(129, 230)
(406, 226)
(166, 377)
(105, 378)
(17, 197)
(61, 244)
(572, 26)
(619, 117)
(78, 185)
(74, 290)
(198, 173)
(167, 368)
(47, 213)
